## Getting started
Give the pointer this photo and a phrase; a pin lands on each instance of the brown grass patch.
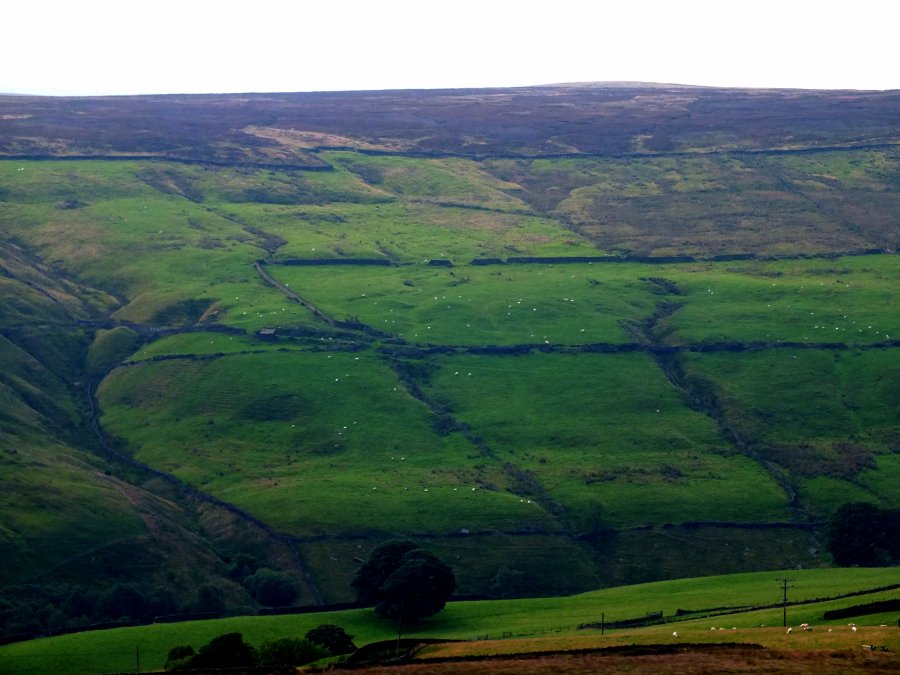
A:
(300, 139)
(694, 661)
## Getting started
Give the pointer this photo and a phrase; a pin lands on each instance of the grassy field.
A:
(575, 423)
(829, 417)
(539, 619)
(309, 442)
(282, 426)
(140, 243)
(407, 231)
(455, 181)
(848, 300)
(483, 305)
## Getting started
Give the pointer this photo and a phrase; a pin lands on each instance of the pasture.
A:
(310, 443)
(535, 624)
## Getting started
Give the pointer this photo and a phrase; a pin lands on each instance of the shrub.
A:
(290, 652)
(333, 639)
(271, 588)
(179, 657)
(225, 651)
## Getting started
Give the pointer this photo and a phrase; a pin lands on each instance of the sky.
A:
(100, 47)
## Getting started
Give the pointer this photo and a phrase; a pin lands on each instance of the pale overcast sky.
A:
(92, 47)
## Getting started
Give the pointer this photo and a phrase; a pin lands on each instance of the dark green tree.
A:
(290, 652)
(419, 587)
(382, 563)
(332, 638)
(404, 583)
(271, 588)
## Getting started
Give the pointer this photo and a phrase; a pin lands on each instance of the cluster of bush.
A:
(230, 651)
(864, 535)
(268, 587)
(42, 609)
(38, 609)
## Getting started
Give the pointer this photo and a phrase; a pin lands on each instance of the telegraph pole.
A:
(784, 587)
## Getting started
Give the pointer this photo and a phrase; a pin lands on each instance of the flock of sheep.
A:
(803, 626)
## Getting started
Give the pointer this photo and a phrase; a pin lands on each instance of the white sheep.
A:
(790, 630)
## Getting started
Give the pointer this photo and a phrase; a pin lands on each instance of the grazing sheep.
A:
(853, 628)
(790, 630)
(675, 634)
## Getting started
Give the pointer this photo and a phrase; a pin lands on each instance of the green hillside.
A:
(558, 369)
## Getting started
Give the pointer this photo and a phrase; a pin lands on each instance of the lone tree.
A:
(404, 582)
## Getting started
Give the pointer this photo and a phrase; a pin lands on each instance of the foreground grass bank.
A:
(547, 623)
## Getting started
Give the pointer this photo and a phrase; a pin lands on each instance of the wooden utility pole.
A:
(784, 587)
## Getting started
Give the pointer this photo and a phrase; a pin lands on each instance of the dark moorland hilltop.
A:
(535, 121)
(565, 337)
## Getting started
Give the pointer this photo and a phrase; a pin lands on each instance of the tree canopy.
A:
(333, 638)
(404, 582)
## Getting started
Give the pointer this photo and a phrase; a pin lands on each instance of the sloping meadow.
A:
(311, 443)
